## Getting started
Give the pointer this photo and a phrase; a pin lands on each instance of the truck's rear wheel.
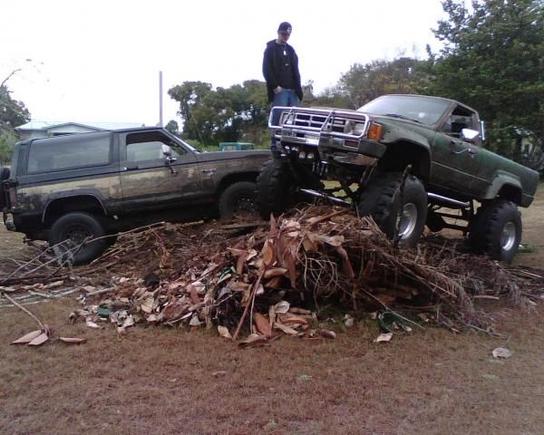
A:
(238, 199)
(496, 230)
(275, 188)
(73, 229)
(395, 209)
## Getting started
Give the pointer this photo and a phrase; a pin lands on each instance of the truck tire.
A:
(496, 230)
(381, 199)
(238, 198)
(75, 228)
(275, 188)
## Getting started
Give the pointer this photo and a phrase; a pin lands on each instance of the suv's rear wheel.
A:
(395, 209)
(238, 200)
(496, 230)
(72, 230)
(275, 188)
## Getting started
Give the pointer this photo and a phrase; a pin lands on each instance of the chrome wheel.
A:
(407, 220)
(508, 236)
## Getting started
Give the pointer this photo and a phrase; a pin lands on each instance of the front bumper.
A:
(9, 222)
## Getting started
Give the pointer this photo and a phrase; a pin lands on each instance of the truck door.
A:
(456, 162)
(147, 181)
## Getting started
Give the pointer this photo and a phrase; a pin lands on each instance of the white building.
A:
(41, 129)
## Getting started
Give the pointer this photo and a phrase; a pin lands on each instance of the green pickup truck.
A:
(407, 161)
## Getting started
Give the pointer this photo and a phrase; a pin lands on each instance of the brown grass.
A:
(162, 380)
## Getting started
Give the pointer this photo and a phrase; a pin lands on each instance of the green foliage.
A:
(493, 60)
(12, 114)
(172, 127)
(7, 140)
(223, 114)
(363, 83)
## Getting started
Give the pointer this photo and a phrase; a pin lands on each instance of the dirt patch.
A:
(170, 381)
(174, 381)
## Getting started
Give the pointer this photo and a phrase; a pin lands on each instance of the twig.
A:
(249, 303)
(14, 302)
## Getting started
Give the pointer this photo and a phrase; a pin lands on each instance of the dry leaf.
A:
(39, 340)
(292, 319)
(224, 332)
(27, 338)
(285, 329)
(147, 305)
(195, 321)
(262, 324)
(91, 324)
(275, 272)
(384, 338)
(327, 333)
(253, 340)
(281, 307)
(72, 340)
(303, 311)
(501, 352)
(268, 253)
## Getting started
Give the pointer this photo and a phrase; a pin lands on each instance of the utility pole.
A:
(160, 100)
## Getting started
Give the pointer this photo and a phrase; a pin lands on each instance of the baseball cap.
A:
(285, 27)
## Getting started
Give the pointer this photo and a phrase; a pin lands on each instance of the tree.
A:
(12, 114)
(363, 83)
(222, 114)
(172, 127)
(493, 60)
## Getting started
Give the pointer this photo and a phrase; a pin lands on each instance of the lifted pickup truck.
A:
(78, 187)
(412, 158)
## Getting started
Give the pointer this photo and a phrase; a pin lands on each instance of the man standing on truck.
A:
(280, 70)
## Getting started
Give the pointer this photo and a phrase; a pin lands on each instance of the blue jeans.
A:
(286, 97)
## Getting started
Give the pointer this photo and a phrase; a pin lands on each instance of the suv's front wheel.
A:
(69, 234)
(399, 209)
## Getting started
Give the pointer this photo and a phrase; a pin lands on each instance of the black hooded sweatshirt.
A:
(280, 68)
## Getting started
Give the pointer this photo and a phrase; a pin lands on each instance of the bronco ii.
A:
(89, 186)
(405, 160)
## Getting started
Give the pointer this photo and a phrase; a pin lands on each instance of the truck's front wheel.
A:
(496, 230)
(399, 209)
(69, 233)
(275, 188)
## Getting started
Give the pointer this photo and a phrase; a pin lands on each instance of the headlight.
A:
(358, 129)
(302, 155)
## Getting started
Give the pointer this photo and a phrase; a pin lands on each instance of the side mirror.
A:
(168, 159)
(166, 150)
(469, 134)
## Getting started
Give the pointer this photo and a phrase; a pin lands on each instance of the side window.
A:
(460, 118)
(148, 146)
(69, 152)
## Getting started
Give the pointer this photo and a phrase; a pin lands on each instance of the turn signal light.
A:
(375, 131)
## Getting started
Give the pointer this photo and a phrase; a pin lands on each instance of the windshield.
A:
(421, 109)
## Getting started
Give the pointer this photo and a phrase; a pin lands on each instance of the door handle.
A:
(208, 171)
(130, 166)
(467, 150)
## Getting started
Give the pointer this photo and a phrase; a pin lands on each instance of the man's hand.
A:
(278, 89)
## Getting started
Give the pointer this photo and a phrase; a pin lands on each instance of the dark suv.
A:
(79, 187)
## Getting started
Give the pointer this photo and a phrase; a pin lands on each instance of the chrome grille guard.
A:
(309, 125)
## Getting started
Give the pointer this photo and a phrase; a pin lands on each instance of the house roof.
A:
(46, 125)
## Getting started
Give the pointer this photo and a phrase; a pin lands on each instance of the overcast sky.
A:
(99, 60)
